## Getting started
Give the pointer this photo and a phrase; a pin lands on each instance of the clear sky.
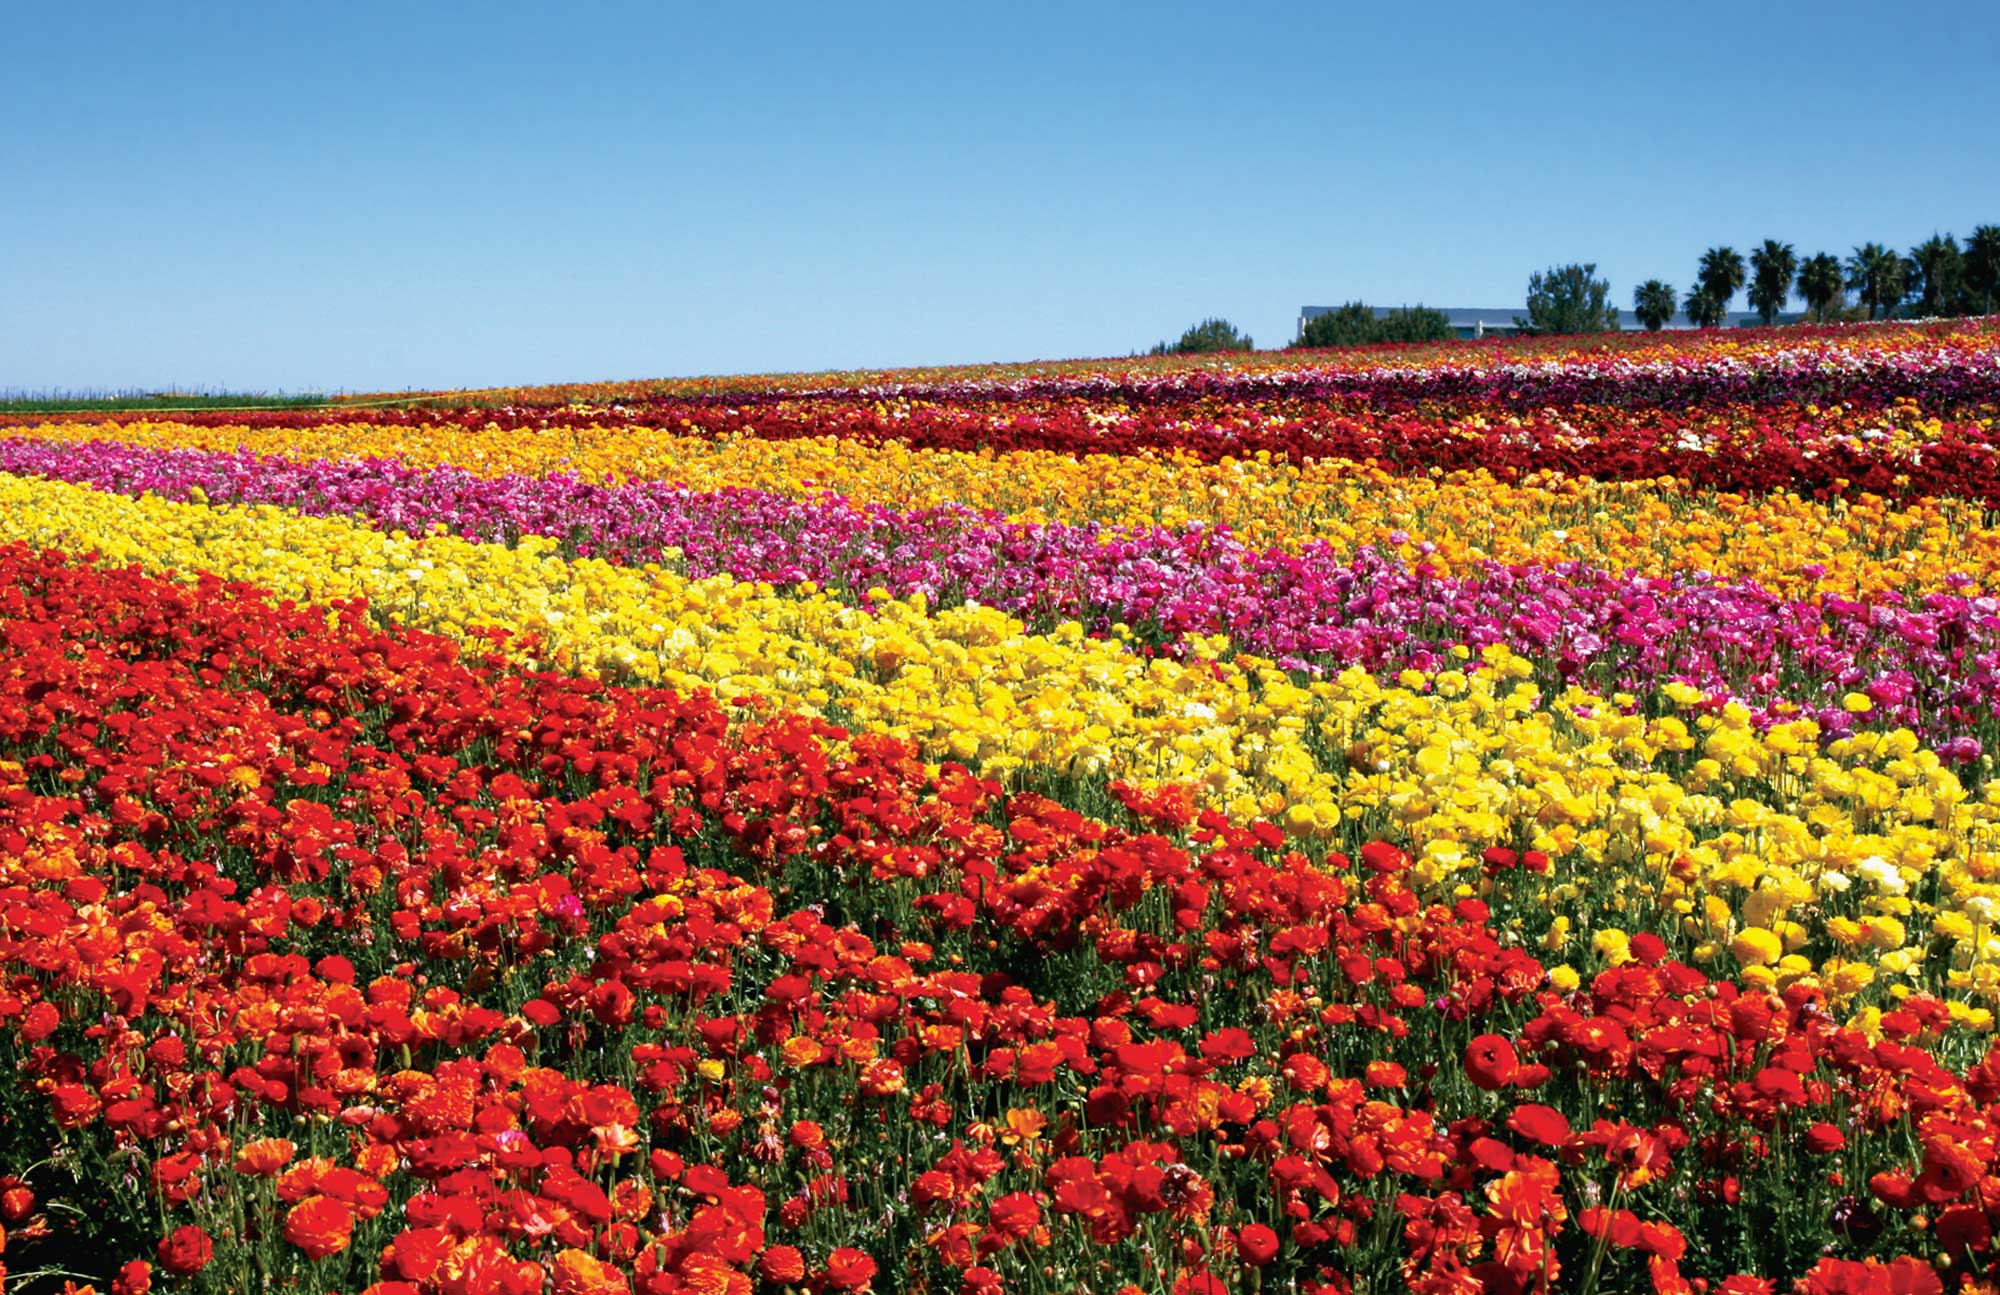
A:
(358, 196)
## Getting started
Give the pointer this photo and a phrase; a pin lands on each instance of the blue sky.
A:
(357, 196)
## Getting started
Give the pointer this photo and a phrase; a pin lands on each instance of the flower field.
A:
(1501, 817)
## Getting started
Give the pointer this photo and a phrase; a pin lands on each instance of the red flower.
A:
(1014, 1216)
(1746, 1285)
(1543, 1124)
(848, 1269)
(1825, 1138)
(1490, 1062)
(1904, 1276)
(782, 1266)
(1257, 1244)
(1648, 949)
(979, 1281)
(1381, 857)
(187, 1251)
(1950, 1170)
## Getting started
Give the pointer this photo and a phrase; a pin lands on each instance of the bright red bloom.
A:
(1904, 1276)
(1542, 1124)
(186, 1250)
(1014, 1216)
(1490, 1062)
(980, 1280)
(1257, 1244)
(848, 1269)
(1746, 1285)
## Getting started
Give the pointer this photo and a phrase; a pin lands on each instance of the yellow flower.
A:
(1756, 947)
(1612, 945)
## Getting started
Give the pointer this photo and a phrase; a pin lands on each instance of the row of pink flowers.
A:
(1931, 663)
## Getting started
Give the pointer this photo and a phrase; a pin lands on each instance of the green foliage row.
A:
(1356, 324)
(62, 402)
(1206, 338)
(1937, 278)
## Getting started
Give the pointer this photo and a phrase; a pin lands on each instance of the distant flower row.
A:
(1933, 665)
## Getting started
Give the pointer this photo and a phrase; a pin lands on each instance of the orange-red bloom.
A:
(320, 1226)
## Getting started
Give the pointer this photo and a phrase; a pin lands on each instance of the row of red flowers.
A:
(330, 956)
(1722, 445)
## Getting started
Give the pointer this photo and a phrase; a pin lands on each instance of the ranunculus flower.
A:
(979, 1280)
(848, 1269)
(265, 1156)
(782, 1266)
(1543, 1124)
(186, 1250)
(1257, 1244)
(320, 1226)
(1490, 1062)
(578, 1272)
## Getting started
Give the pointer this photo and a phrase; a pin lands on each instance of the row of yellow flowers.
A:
(1795, 546)
(1839, 862)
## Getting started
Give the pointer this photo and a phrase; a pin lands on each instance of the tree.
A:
(1569, 299)
(1207, 337)
(1938, 277)
(1772, 266)
(1879, 277)
(1704, 310)
(1415, 324)
(1982, 270)
(1653, 303)
(1355, 324)
(1721, 274)
(1822, 285)
(1350, 325)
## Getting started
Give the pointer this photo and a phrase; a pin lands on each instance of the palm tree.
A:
(1721, 274)
(1822, 285)
(1939, 281)
(1982, 269)
(1653, 303)
(1879, 276)
(1704, 309)
(1771, 268)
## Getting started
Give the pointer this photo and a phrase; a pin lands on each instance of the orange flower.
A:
(882, 1078)
(320, 1226)
(1023, 1125)
(264, 1157)
(782, 1266)
(577, 1272)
